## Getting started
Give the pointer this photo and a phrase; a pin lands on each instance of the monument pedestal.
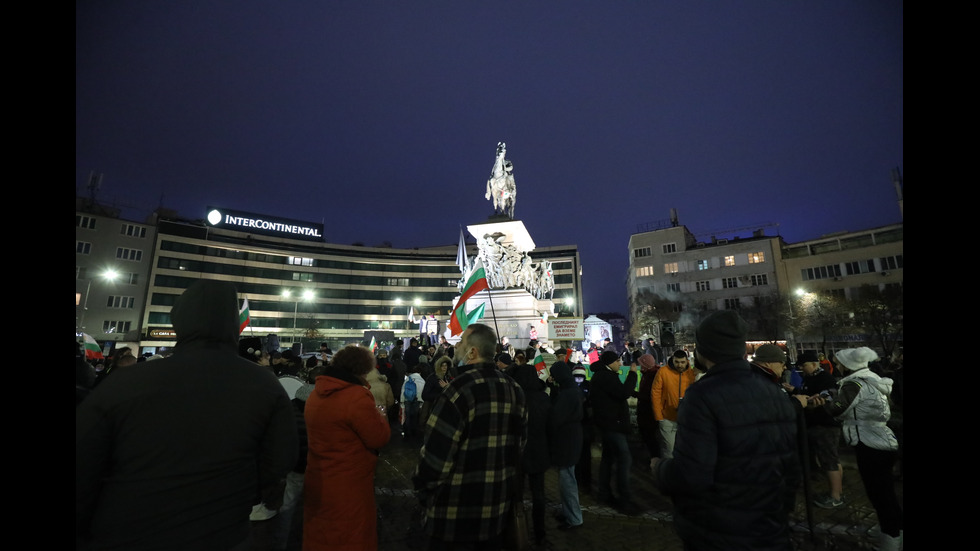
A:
(516, 312)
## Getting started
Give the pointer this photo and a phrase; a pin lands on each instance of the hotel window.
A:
(129, 254)
(82, 247)
(757, 258)
(641, 252)
(732, 304)
(300, 261)
(670, 248)
(703, 285)
(300, 276)
(860, 267)
(891, 262)
(760, 279)
(116, 326)
(703, 264)
(398, 282)
(120, 302)
(730, 260)
(644, 271)
(729, 282)
(133, 230)
(671, 268)
(86, 222)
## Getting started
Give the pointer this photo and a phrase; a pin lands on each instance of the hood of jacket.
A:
(562, 374)
(883, 384)
(207, 312)
(334, 380)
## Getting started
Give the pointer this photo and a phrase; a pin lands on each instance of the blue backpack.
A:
(411, 390)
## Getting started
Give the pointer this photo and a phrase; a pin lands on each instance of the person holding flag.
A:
(459, 320)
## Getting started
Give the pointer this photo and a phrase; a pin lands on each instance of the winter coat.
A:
(669, 387)
(735, 469)
(380, 389)
(536, 458)
(565, 420)
(609, 396)
(419, 387)
(171, 454)
(866, 416)
(345, 432)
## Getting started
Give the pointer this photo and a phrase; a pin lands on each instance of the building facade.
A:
(298, 287)
(112, 265)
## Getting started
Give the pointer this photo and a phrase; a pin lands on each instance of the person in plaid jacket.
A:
(467, 476)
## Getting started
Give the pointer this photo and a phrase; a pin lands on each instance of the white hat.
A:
(856, 358)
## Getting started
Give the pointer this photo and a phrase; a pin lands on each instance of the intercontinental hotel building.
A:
(298, 287)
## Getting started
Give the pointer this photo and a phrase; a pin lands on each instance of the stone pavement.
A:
(852, 526)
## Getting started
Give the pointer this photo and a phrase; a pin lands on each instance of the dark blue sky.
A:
(381, 118)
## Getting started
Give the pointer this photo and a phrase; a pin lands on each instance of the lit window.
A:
(730, 260)
(671, 268)
(703, 264)
(300, 261)
(757, 258)
(644, 271)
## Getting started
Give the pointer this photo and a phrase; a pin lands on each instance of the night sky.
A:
(381, 119)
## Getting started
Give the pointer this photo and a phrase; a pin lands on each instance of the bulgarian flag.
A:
(92, 349)
(374, 345)
(476, 282)
(539, 365)
(243, 316)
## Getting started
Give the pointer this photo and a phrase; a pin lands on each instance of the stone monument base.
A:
(517, 312)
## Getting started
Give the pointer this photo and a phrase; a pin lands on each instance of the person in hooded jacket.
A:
(346, 429)
(536, 458)
(861, 404)
(565, 431)
(174, 453)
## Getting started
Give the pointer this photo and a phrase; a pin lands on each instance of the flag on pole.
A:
(374, 345)
(243, 316)
(476, 282)
(461, 252)
(411, 314)
(92, 349)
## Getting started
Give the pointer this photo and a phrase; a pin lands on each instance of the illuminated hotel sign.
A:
(266, 225)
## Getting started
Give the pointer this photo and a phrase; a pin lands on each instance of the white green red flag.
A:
(243, 316)
(476, 282)
(538, 362)
(374, 345)
(92, 349)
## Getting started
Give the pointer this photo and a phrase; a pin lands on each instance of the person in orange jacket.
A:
(667, 391)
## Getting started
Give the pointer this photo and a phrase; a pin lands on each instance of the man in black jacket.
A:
(612, 418)
(173, 454)
(735, 467)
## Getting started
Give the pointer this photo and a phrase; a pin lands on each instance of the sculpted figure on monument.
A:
(501, 186)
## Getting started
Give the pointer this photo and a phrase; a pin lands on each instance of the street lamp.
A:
(109, 275)
(307, 296)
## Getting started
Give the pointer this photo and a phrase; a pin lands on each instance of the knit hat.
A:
(579, 370)
(769, 353)
(856, 358)
(647, 361)
(721, 336)
(608, 357)
(807, 357)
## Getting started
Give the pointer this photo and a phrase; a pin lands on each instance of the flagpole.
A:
(494, 314)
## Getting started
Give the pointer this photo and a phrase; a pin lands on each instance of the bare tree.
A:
(882, 314)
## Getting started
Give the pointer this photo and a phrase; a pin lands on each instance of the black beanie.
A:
(608, 357)
(721, 336)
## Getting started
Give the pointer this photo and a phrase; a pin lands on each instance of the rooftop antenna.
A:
(94, 183)
(673, 217)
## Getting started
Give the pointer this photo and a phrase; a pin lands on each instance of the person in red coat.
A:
(345, 431)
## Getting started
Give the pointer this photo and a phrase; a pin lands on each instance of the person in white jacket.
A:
(412, 404)
(861, 404)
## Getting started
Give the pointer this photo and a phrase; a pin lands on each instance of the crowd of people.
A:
(196, 449)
